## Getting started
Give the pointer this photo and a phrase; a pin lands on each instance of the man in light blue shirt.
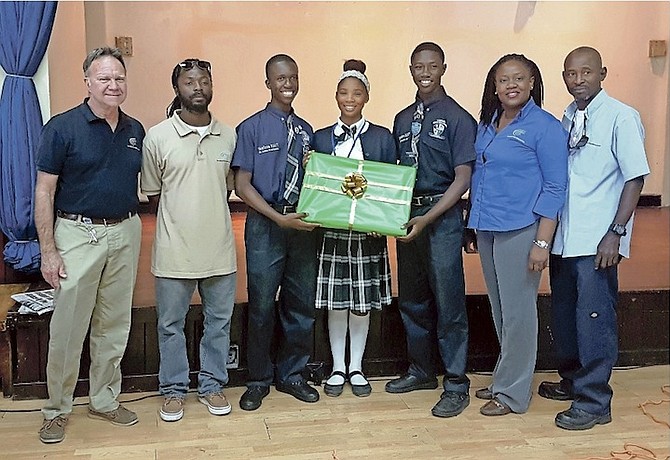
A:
(606, 168)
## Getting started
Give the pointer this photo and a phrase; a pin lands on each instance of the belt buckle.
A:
(86, 220)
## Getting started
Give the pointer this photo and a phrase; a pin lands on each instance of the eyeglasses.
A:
(582, 140)
(188, 64)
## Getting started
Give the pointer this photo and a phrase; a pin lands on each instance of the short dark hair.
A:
(428, 46)
(102, 52)
(490, 102)
(278, 58)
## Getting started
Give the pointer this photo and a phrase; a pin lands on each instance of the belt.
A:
(93, 220)
(426, 200)
(283, 209)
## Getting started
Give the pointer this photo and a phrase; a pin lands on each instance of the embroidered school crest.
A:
(439, 126)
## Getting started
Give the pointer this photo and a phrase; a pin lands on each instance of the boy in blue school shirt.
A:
(436, 135)
(280, 247)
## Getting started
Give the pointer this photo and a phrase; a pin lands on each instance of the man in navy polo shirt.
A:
(86, 201)
(280, 247)
(436, 135)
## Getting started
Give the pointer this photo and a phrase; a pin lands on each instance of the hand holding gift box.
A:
(362, 195)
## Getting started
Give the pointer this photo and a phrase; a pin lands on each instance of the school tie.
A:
(347, 132)
(291, 191)
(417, 121)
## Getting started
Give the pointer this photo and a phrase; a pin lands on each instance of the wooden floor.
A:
(647, 269)
(378, 427)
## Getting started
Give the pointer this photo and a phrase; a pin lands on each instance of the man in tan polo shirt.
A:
(185, 171)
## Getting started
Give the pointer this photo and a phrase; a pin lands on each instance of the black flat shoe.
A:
(577, 419)
(334, 390)
(557, 391)
(360, 390)
(299, 390)
(410, 382)
(253, 397)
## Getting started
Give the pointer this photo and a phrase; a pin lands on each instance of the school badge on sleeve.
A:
(362, 195)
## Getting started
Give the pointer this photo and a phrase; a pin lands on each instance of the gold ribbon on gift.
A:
(355, 186)
(370, 184)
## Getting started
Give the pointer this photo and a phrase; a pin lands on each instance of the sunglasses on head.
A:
(190, 63)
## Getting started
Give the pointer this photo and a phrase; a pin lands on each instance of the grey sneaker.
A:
(119, 416)
(216, 403)
(53, 430)
(172, 409)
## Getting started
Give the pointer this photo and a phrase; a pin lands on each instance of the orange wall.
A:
(238, 37)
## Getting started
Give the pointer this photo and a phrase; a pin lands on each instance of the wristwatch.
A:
(618, 229)
(541, 244)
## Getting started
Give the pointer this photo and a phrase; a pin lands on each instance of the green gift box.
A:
(362, 195)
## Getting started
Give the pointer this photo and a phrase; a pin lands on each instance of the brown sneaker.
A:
(53, 430)
(119, 416)
(216, 403)
(172, 409)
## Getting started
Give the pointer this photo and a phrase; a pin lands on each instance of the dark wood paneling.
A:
(643, 325)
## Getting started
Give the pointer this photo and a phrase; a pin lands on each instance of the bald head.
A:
(587, 52)
(583, 73)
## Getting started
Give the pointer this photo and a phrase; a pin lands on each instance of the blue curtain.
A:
(25, 29)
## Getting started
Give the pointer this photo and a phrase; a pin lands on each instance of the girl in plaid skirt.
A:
(354, 274)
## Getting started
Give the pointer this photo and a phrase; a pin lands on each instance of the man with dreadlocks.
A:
(185, 172)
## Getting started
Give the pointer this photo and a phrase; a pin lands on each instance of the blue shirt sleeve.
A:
(552, 157)
(51, 151)
(245, 149)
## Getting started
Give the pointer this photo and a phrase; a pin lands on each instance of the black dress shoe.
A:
(577, 419)
(484, 393)
(253, 397)
(410, 382)
(360, 390)
(451, 404)
(557, 391)
(299, 390)
(334, 390)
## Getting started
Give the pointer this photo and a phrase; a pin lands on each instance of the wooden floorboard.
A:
(378, 427)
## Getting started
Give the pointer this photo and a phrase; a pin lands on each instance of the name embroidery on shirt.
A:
(267, 148)
(439, 126)
(132, 144)
(516, 135)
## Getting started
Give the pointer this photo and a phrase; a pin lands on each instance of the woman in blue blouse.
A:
(354, 275)
(518, 189)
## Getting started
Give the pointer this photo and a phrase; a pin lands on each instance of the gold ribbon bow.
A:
(354, 185)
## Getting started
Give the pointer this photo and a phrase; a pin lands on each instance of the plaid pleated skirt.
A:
(354, 272)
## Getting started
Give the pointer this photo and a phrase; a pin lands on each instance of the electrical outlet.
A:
(125, 45)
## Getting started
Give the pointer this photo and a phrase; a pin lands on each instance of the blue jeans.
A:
(431, 294)
(173, 296)
(287, 258)
(585, 329)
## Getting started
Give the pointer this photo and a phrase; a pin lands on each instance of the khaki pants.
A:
(98, 292)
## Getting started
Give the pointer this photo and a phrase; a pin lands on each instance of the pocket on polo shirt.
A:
(437, 144)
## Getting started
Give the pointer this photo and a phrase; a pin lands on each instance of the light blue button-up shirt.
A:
(598, 171)
(520, 173)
